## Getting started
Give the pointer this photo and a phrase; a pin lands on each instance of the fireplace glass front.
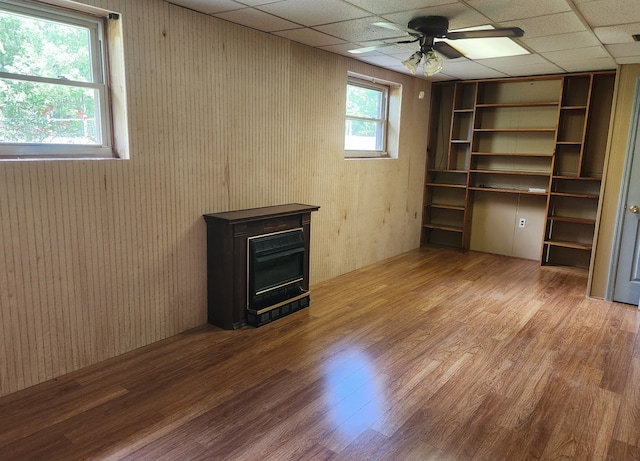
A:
(275, 268)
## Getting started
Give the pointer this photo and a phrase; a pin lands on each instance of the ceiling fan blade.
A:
(386, 40)
(447, 50)
(380, 45)
(389, 25)
(510, 32)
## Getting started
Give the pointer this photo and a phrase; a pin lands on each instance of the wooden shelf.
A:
(444, 227)
(577, 178)
(514, 130)
(438, 170)
(568, 194)
(455, 186)
(511, 154)
(519, 104)
(512, 172)
(507, 191)
(568, 219)
(567, 244)
(442, 206)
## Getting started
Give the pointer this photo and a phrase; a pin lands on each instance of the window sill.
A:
(363, 155)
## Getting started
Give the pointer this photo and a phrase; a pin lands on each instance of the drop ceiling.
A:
(562, 35)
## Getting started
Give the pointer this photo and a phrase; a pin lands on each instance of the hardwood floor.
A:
(433, 355)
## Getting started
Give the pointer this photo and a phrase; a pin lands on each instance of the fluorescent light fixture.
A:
(484, 48)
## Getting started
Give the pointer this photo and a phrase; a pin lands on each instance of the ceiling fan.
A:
(425, 30)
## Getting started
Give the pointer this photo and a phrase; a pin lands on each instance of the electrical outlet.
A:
(521, 222)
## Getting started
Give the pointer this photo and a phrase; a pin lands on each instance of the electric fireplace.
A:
(257, 264)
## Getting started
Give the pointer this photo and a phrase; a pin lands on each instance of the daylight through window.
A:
(366, 118)
(53, 88)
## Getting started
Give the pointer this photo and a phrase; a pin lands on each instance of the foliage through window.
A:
(53, 89)
(366, 118)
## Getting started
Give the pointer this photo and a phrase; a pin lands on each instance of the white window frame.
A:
(382, 121)
(392, 125)
(95, 20)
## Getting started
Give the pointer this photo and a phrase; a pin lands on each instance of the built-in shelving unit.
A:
(577, 170)
(446, 202)
(539, 137)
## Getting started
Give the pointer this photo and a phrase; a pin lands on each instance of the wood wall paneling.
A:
(102, 257)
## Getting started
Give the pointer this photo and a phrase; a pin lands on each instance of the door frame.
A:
(632, 141)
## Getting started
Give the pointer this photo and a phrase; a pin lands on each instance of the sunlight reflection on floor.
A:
(353, 393)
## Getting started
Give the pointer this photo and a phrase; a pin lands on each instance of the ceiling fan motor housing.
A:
(430, 26)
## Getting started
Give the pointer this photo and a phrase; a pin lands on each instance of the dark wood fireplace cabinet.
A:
(257, 264)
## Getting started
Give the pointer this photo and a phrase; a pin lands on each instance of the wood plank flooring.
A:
(432, 355)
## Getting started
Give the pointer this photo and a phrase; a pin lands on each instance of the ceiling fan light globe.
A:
(412, 62)
(432, 63)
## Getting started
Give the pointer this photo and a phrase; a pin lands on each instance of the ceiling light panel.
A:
(484, 48)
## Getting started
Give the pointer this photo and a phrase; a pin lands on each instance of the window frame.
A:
(385, 89)
(95, 22)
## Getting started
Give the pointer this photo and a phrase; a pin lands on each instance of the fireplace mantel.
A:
(227, 235)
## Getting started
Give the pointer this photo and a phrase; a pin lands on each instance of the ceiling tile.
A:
(588, 64)
(628, 60)
(592, 52)
(505, 10)
(622, 50)
(256, 2)
(610, 12)
(257, 20)
(554, 24)
(386, 6)
(357, 30)
(617, 34)
(561, 42)
(309, 37)
(209, 6)
(470, 70)
(534, 69)
(459, 15)
(522, 60)
(314, 12)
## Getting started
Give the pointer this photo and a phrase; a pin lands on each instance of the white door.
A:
(627, 276)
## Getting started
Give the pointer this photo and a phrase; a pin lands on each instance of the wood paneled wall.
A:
(101, 257)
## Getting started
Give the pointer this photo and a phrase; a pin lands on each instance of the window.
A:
(372, 124)
(366, 120)
(54, 97)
